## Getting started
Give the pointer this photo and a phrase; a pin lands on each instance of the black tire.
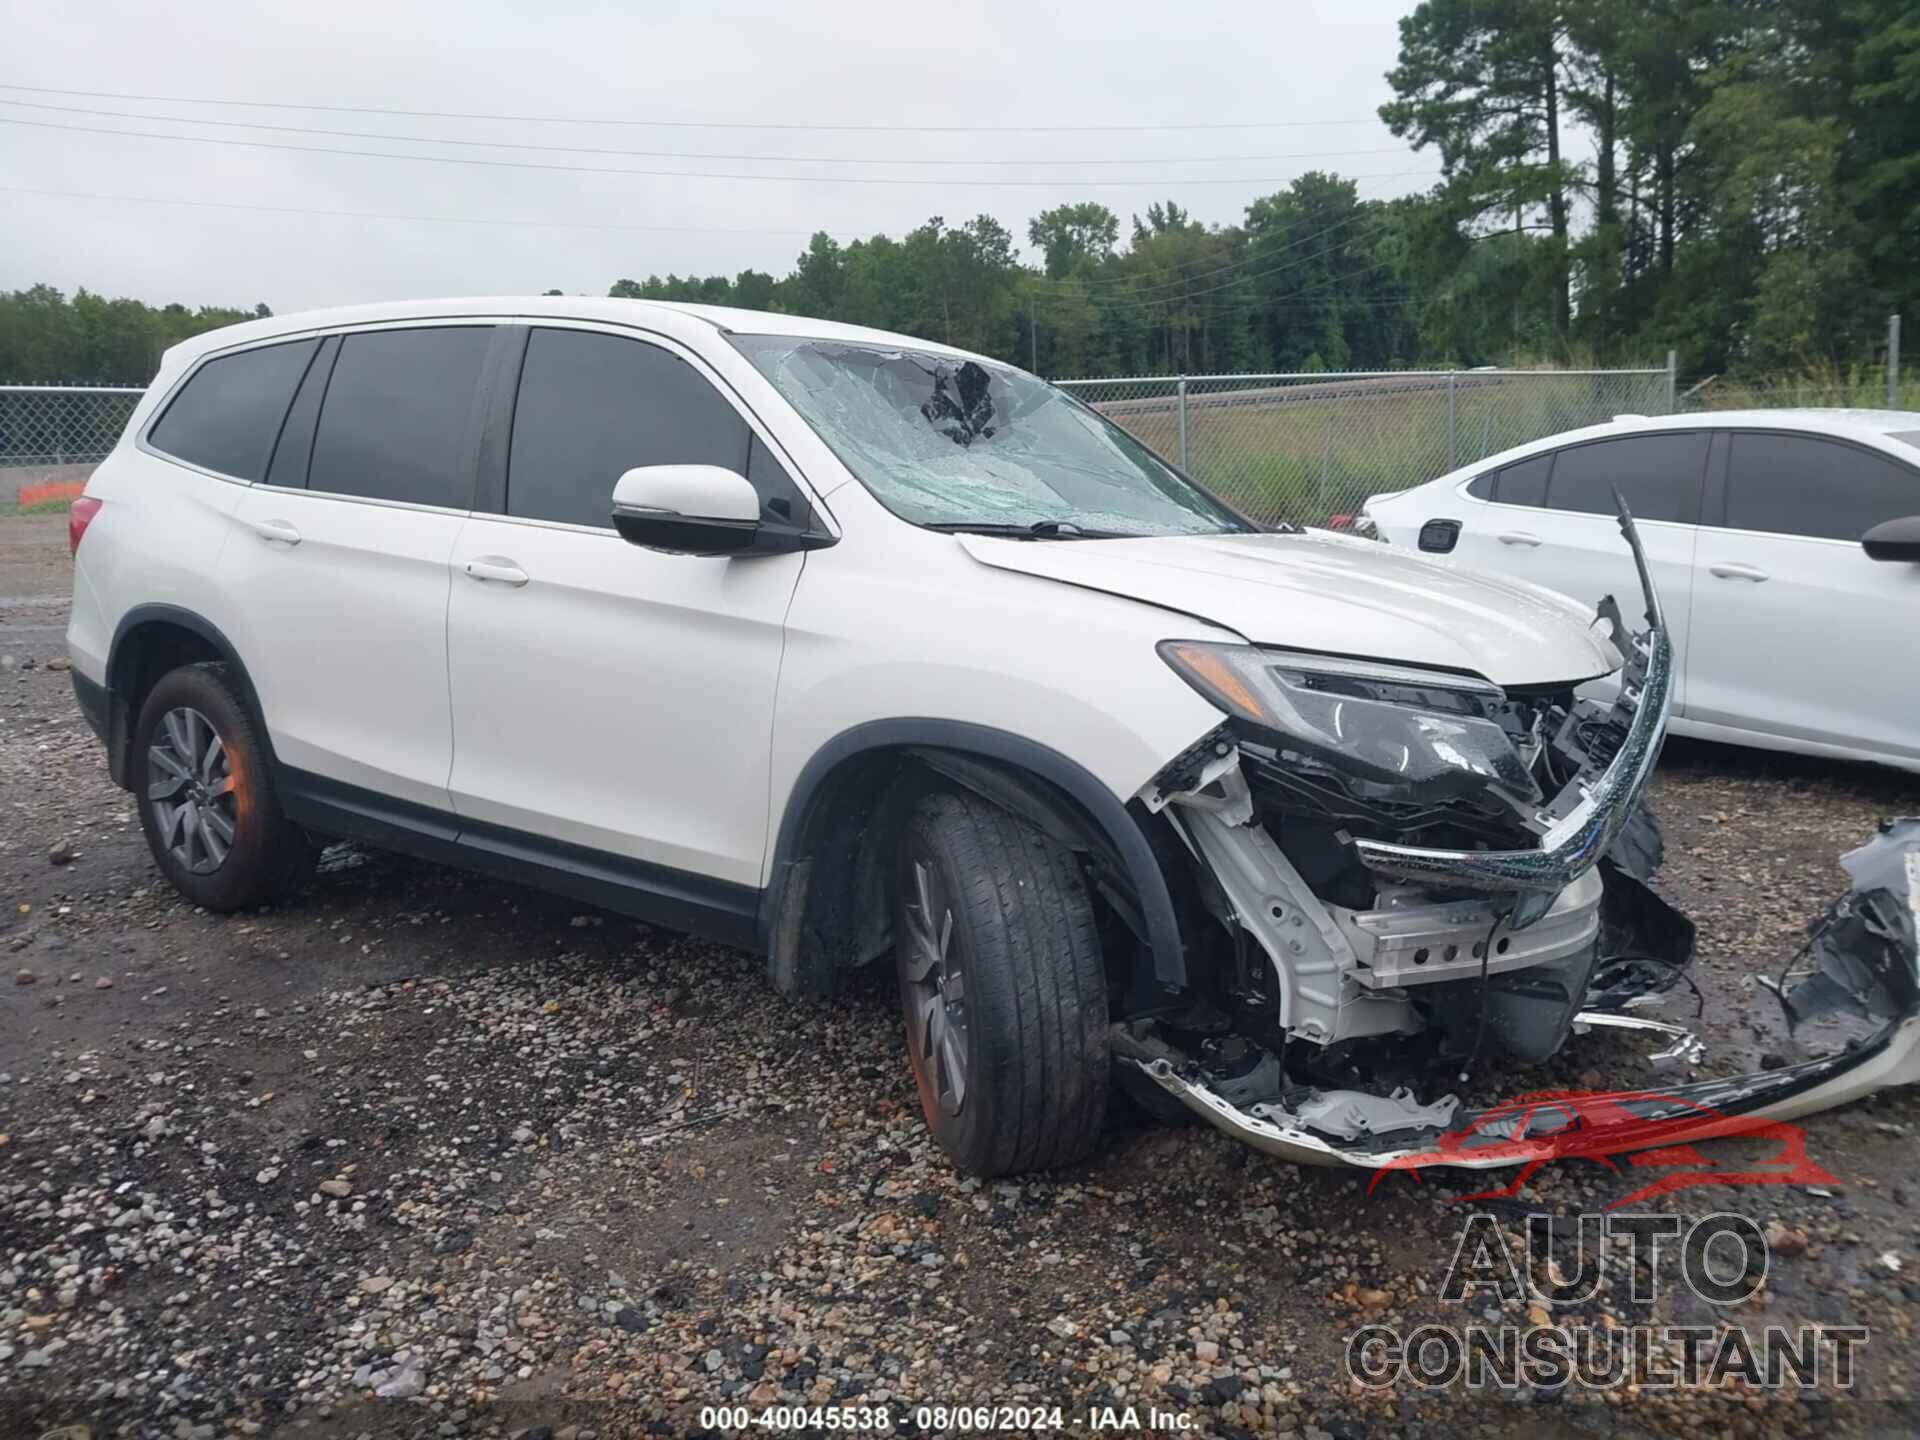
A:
(1031, 1022)
(268, 857)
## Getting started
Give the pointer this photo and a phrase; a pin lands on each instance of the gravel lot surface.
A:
(425, 1154)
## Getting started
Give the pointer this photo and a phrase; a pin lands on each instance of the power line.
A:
(890, 127)
(1181, 289)
(1132, 303)
(684, 154)
(387, 215)
(1058, 183)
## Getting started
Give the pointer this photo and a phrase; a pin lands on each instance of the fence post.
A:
(1893, 361)
(1326, 462)
(1183, 424)
(1673, 377)
(1453, 421)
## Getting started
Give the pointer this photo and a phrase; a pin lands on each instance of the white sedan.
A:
(1785, 545)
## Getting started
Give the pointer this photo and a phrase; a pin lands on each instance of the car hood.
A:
(1333, 594)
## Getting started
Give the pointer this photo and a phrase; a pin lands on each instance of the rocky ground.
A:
(426, 1154)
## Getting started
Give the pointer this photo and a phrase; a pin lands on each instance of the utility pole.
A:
(1033, 333)
(1893, 361)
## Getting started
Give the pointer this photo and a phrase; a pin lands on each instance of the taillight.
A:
(80, 515)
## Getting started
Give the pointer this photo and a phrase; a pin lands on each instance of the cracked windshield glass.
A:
(949, 443)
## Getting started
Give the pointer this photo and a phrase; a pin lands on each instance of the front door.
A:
(607, 696)
(1797, 634)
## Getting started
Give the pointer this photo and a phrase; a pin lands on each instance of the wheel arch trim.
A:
(1109, 820)
(120, 719)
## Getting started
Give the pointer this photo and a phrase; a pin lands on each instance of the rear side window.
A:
(397, 421)
(593, 406)
(1797, 485)
(1660, 476)
(227, 416)
(1525, 482)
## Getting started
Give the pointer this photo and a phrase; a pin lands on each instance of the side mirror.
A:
(700, 510)
(1893, 539)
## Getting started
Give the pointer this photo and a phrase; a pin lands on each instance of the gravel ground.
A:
(426, 1154)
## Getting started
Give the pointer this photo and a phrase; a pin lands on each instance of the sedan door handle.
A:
(276, 530)
(497, 568)
(1518, 537)
(1735, 570)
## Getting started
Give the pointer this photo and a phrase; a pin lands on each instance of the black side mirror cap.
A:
(686, 535)
(1893, 539)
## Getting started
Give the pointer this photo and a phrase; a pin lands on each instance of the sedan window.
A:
(1801, 485)
(1660, 476)
(1524, 482)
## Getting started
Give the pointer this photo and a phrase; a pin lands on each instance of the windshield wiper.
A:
(1038, 530)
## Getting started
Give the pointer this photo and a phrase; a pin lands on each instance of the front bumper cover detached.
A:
(1866, 958)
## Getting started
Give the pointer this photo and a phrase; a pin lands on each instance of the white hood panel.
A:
(1337, 595)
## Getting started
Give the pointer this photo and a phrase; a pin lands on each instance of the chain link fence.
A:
(62, 424)
(1311, 447)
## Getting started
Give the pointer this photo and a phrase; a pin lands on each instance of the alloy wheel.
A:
(936, 990)
(191, 790)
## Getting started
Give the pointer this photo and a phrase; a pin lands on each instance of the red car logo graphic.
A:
(1652, 1131)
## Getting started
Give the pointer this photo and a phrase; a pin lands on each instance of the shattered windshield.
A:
(955, 444)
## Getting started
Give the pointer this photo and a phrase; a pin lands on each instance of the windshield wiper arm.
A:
(1038, 530)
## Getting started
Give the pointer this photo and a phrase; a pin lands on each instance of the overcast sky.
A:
(978, 63)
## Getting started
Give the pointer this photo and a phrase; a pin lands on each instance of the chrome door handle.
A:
(1517, 537)
(497, 568)
(1734, 570)
(277, 530)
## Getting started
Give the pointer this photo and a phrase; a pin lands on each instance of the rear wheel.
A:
(206, 797)
(1003, 988)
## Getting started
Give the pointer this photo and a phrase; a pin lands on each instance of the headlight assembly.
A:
(1390, 724)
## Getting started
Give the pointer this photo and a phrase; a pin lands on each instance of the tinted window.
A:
(1481, 486)
(295, 448)
(593, 406)
(1796, 485)
(1659, 475)
(1524, 483)
(227, 416)
(396, 421)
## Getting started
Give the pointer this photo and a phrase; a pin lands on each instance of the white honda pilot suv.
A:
(838, 644)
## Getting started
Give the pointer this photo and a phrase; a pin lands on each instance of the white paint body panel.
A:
(345, 636)
(620, 699)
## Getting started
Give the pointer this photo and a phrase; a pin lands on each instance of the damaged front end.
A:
(1396, 873)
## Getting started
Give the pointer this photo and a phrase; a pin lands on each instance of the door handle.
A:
(1518, 537)
(1735, 570)
(276, 530)
(497, 568)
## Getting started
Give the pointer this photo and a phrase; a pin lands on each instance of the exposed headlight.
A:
(1391, 724)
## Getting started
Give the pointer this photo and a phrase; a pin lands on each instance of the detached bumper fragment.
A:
(1866, 953)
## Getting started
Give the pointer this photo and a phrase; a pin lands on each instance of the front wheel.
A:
(199, 771)
(1003, 988)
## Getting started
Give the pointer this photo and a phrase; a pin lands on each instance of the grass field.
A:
(1308, 451)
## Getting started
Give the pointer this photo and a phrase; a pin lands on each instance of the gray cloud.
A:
(989, 63)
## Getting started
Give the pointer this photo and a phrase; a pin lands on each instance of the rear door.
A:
(340, 560)
(1552, 519)
(606, 696)
(1798, 636)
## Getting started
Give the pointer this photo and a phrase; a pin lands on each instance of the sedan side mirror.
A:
(701, 510)
(1893, 539)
